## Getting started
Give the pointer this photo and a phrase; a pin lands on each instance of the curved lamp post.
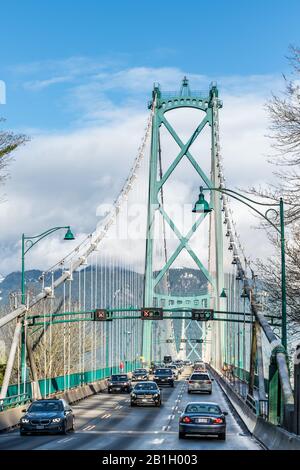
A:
(29, 242)
(203, 206)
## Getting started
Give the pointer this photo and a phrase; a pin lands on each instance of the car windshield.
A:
(145, 386)
(202, 408)
(163, 371)
(199, 377)
(119, 378)
(45, 406)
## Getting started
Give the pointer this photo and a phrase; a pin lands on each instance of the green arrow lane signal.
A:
(151, 313)
(202, 314)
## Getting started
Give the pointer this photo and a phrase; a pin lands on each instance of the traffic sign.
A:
(100, 314)
(152, 314)
(202, 314)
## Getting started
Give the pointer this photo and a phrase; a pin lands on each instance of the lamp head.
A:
(202, 206)
(69, 235)
(223, 294)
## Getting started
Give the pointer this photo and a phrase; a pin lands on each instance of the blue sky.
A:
(65, 44)
(78, 76)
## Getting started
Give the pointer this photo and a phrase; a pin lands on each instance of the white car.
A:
(174, 371)
(200, 382)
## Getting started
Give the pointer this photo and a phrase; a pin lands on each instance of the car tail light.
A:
(186, 419)
(191, 381)
(217, 420)
(208, 381)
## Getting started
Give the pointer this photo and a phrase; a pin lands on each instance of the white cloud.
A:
(60, 179)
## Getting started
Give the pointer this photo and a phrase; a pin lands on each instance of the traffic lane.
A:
(86, 412)
(236, 437)
(123, 429)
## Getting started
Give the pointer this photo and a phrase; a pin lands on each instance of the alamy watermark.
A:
(2, 92)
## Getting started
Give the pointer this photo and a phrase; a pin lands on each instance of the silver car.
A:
(200, 382)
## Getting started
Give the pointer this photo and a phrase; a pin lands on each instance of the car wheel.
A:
(222, 437)
(209, 393)
(108, 391)
(189, 391)
(172, 384)
(23, 433)
(132, 403)
(73, 426)
(181, 435)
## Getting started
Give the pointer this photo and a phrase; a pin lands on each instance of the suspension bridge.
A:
(155, 279)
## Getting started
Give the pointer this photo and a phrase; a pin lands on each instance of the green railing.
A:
(16, 395)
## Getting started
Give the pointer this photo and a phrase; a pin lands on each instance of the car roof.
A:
(210, 403)
(144, 382)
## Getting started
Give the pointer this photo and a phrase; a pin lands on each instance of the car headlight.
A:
(133, 395)
(155, 395)
(24, 420)
(56, 420)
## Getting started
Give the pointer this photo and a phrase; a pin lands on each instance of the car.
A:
(200, 382)
(203, 418)
(164, 376)
(200, 366)
(140, 374)
(49, 416)
(145, 393)
(180, 365)
(175, 370)
(119, 383)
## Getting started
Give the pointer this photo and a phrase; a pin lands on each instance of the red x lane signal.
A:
(152, 314)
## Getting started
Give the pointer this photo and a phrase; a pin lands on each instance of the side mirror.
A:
(225, 413)
(212, 380)
(24, 410)
(187, 378)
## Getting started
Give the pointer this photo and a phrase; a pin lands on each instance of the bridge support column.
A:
(36, 392)
(11, 359)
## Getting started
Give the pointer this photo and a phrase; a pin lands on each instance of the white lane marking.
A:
(66, 440)
(86, 428)
(157, 441)
(106, 416)
(172, 416)
(164, 428)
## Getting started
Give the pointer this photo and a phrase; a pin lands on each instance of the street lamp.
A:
(29, 242)
(203, 206)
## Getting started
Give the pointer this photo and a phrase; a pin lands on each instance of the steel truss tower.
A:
(162, 104)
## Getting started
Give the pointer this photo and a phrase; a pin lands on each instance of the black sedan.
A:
(140, 374)
(48, 415)
(119, 383)
(145, 393)
(203, 418)
(164, 376)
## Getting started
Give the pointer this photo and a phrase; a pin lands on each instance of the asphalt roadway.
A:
(107, 422)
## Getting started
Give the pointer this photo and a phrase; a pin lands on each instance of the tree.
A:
(284, 114)
(9, 141)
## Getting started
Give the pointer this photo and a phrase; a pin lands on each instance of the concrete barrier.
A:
(11, 417)
(270, 436)
(274, 437)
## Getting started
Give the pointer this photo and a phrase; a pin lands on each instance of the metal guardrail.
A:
(14, 400)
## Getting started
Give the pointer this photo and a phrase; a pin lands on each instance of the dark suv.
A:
(164, 376)
(48, 415)
(119, 383)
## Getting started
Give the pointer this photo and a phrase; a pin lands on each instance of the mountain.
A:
(183, 281)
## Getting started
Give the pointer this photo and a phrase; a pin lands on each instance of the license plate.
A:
(40, 427)
(201, 420)
(144, 399)
(117, 388)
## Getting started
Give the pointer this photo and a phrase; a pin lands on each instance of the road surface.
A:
(107, 422)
